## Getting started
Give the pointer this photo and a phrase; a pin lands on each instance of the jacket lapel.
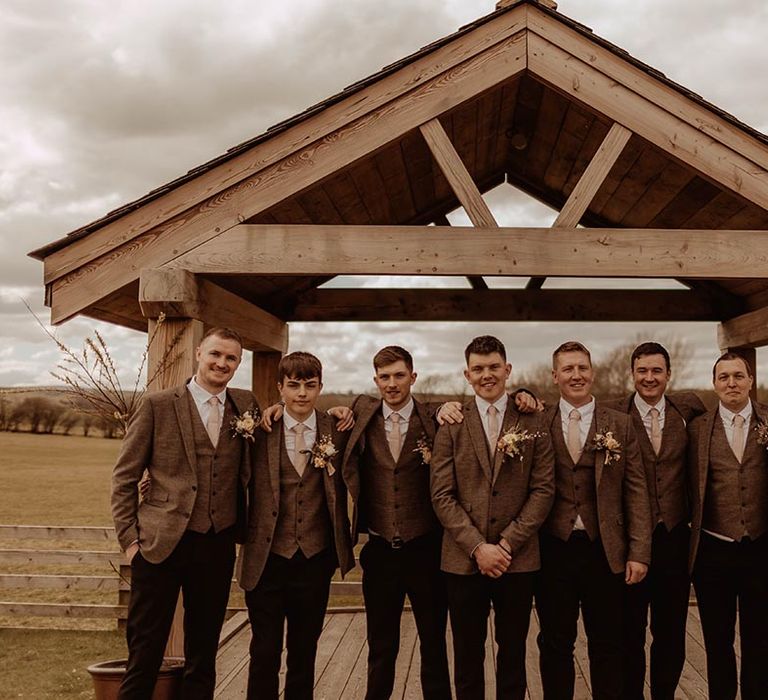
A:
(477, 436)
(601, 422)
(510, 417)
(705, 439)
(426, 420)
(362, 419)
(674, 429)
(184, 418)
(325, 427)
(274, 442)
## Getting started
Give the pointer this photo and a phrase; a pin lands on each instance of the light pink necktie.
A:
(493, 428)
(655, 430)
(738, 437)
(299, 456)
(574, 435)
(394, 436)
(213, 424)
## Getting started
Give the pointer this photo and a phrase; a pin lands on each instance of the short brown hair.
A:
(224, 334)
(299, 365)
(485, 345)
(649, 348)
(391, 354)
(570, 346)
(730, 356)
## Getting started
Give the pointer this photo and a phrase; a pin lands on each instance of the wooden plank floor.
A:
(341, 661)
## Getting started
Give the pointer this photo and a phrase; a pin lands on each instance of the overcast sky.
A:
(102, 101)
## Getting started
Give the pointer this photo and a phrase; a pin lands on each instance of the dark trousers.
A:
(469, 602)
(576, 574)
(728, 575)
(201, 567)
(293, 591)
(388, 575)
(665, 590)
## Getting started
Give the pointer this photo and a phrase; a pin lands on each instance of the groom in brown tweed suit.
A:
(182, 535)
(491, 504)
(597, 537)
(728, 474)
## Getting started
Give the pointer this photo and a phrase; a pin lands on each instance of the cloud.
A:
(102, 102)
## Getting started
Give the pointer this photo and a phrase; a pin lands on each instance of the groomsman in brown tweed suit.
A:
(728, 468)
(386, 468)
(660, 425)
(298, 534)
(182, 535)
(492, 487)
(597, 537)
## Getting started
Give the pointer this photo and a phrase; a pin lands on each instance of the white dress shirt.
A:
(644, 408)
(310, 434)
(482, 408)
(201, 397)
(587, 414)
(405, 417)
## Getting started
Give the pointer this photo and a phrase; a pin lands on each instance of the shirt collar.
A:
(310, 422)
(727, 415)
(644, 407)
(586, 410)
(404, 412)
(201, 395)
(500, 403)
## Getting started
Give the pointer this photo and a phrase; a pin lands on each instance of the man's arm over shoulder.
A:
(135, 456)
(444, 489)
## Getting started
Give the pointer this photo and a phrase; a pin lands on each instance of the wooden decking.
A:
(341, 661)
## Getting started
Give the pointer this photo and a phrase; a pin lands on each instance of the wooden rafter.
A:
(589, 183)
(505, 305)
(747, 330)
(461, 182)
(432, 250)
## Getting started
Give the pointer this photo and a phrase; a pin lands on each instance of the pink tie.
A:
(213, 424)
(738, 437)
(394, 436)
(299, 456)
(493, 428)
(655, 430)
(574, 435)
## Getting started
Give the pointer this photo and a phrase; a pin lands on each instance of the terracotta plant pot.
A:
(108, 675)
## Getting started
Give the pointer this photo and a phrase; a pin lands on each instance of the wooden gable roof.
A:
(525, 95)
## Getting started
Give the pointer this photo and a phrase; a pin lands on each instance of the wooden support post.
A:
(588, 184)
(264, 377)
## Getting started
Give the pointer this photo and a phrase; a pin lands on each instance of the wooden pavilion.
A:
(664, 184)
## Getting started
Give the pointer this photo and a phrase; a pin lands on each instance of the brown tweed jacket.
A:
(623, 509)
(666, 473)
(264, 502)
(478, 500)
(366, 408)
(160, 439)
(699, 443)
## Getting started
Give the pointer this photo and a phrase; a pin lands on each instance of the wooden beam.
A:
(461, 182)
(505, 305)
(264, 377)
(80, 288)
(428, 70)
(589, 183)
(456, 173)
(432, 250)
(670, 133)
(178, 293)
(749, 330)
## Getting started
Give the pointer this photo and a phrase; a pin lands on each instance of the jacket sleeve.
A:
(443, 485)
(637, 505)
(541, 492)
(135, 456)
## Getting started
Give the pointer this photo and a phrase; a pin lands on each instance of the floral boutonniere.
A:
(513, 442)
(245, 425)
(322, 454)
(605, 442)
(424, 448)
(762, 433)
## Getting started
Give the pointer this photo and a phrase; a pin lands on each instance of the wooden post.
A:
(171, 361)
(264, 377)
